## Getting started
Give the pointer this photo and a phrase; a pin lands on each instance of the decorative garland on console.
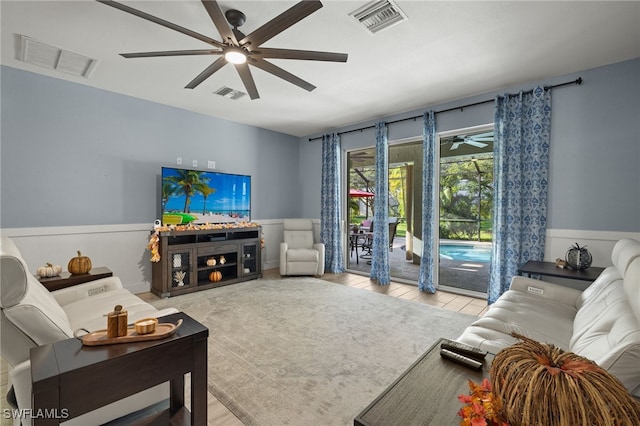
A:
(154, 238)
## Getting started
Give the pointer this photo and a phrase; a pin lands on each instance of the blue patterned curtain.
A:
(330, 214)
(429, 228)
(380, 246)
(521, 164)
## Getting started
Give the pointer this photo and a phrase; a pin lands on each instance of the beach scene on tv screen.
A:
(191, 196)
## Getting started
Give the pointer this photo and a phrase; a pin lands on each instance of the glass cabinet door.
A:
(180, 268)
(249, 259)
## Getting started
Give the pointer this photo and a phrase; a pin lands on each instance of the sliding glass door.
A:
(404, 203)
(464, 212)
(466, 209)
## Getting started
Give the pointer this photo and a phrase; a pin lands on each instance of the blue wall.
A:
(594, 178)
(75, 155)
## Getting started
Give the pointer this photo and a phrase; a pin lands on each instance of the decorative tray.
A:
(99, 337)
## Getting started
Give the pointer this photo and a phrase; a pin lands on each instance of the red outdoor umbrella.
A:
(360, 193)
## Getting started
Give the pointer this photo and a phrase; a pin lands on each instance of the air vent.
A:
(43, 55)
(378, 15)
(230, 93)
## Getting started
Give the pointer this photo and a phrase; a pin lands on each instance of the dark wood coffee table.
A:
(425, 394)
(71, 379)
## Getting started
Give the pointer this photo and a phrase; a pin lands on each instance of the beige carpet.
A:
(302, 351)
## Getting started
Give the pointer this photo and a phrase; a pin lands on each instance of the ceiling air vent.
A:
(378, 15)
(43, 55)
(230, 93)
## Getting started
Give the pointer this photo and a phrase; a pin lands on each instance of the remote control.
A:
(461, 359)
(463, 349)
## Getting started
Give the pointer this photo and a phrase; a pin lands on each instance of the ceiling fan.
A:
(479, 141)
(361, 155)
(237, 48)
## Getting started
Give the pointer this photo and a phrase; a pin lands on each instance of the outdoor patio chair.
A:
(357, 240)
(392, 231)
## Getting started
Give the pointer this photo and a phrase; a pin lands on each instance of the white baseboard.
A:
(271, 265)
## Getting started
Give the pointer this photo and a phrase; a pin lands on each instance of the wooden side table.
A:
(71, 379)
(534, 267)
(65, 279)
(425, 394)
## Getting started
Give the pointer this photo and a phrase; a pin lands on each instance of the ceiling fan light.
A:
(235, 56)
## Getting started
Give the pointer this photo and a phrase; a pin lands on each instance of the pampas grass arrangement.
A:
(540, 384)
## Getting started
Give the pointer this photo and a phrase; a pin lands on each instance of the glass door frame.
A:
(344, 203)
(436, 201)
(344, 208)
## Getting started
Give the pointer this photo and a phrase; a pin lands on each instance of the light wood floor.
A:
(219, 415)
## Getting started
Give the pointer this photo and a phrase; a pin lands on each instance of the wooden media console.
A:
(202, 259)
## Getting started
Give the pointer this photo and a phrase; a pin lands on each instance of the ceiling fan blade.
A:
(456, 145)
(281, 22)
(161, 21)
(208, 72)
(214, 11)
(307, 55)
(247, 80)
(279, 72)
(483, 135)
(476, 144)
(171, 53)
(476, 139)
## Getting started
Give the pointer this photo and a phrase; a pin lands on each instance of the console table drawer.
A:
(226, 248)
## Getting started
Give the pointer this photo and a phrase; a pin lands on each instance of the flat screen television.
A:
(192, 196)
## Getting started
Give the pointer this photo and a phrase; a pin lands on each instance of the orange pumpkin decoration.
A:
(79, 264)
(215, 276)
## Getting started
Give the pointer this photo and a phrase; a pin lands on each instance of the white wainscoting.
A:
(599, 243)
(121, 248)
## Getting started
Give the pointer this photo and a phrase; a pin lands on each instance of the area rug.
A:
(303, 351)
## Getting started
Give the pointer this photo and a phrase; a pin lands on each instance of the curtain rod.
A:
(577, 81)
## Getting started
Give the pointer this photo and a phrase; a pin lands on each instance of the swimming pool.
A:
(466, 252)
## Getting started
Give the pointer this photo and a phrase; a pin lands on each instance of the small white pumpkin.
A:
(49, 270)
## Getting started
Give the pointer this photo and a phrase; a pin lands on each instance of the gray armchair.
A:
(299, 253)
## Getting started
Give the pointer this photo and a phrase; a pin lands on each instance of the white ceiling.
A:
(445, 51)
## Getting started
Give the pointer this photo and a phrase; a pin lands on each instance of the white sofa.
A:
(601, 323)
(32, 316)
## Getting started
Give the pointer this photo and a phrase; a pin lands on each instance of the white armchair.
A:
(32, 316)
(299, 253)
